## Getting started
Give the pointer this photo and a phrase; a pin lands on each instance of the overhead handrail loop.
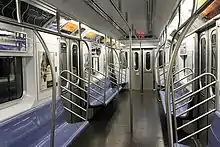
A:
(186, 26)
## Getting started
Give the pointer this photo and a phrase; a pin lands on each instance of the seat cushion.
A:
(178, 111)
(214, 131)
(32, 128)
(64, 135)
(98, 100)
(180, 145)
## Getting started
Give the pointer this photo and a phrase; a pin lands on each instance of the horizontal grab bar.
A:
(96, 92)
(183, 96)
(183, 70)
(73, 84)
(73, 93)
(75, 113)
(98, 85)
(96, 98)
(96, 78)
(193, 134)
(184, 104)
(96, 70)
(113, 77)
(112, 72)
(206, 100)
(73, 103)
(113, 69)
(113, 83)
(117, 65)
(73, 75)
(197, 91)
(183, 78)
(196, 78)
(163, 65)
(194, 120)
(163, 73)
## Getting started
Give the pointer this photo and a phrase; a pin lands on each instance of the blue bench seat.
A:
(180, 109)
(98, 100)
(180, 145)
(214, 131)
(32, 128)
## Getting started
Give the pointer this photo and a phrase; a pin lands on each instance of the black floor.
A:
(110, 128)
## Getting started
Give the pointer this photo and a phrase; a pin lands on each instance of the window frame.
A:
(145, 60)
(134, 61)
(72, 60)
(161, 58)
(22, 92)
(60, 64)
(124, 54)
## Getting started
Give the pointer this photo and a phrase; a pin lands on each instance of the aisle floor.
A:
(110, 128)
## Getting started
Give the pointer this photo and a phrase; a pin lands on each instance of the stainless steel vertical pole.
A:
(80, 32)
(58, 21)
(18, 10)
(141, 71)
(106, 66)
(52, 68)
(130, 87)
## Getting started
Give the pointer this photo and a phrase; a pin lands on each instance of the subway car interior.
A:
(109, 73)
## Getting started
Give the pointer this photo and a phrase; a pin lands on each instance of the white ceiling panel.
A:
(80, 10)
(137, 10)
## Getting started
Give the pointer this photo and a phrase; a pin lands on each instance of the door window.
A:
(75, 62)
(213, 57)
(148, 60)
(136, 61)
(124, 60)
(161, 58)
(203, 59)
(63, 61)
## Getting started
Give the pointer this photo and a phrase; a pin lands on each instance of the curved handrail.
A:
(169, 76)
(196, 78)
(183, 70)
(52, 68)
(95, 70)
(186, 26)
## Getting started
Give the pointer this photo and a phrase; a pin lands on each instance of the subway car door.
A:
(203, 68)
(212, 67)
(147, 69)
(136, 70)
(212, 61)
(69, 60)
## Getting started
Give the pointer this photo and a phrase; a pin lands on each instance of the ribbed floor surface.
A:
(110, 128)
